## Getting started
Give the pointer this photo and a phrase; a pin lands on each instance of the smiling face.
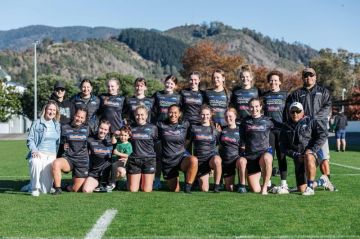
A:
(50, 112)
(230, 118)
(218, 80)
(86, 89)
(255, 108)
(246, 79)
(140, 88)
(113, 87)
(104, 129)
(124, 136)
(79, 118)
(174, 114)
(141, 116)
(274, 83)
(194, 82)
(296, 114)
(170, 86)
(205, 117)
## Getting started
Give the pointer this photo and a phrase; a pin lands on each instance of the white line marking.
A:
(345, 166)
(101, 225)
(244, 236)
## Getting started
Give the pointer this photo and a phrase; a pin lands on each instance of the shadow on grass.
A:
(14, 186)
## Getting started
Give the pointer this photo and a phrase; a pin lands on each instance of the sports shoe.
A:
(157, 184)
(187, 188)
(217, 188)
(57, 191)
(327, 184)
(242, 190)
(35, 193)
(110, 187)
(284, 189)
(308, 192)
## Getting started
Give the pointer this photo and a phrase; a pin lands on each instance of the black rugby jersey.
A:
(162, 102)
(240, 100)
(218, 101)
(76, 138)
(111, 107)
(92, 105)
(173, 137)
(274, 106)
(132, 102)
(204, 139)
(142, 140)
(100, 152)
(229, 143)
(255, 134)
(191, 102)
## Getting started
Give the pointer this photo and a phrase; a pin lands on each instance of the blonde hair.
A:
(51, 102)
(231, 109)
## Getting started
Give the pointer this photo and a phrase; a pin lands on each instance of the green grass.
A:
(177, 215)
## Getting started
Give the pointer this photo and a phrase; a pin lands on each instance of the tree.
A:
(10, 103)
(206, 57)
(45, 87)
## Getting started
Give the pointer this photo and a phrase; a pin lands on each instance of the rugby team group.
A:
(109, 140)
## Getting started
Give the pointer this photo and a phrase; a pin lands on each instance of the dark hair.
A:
(173, 78)
(140, 79)
(178, 107)
(85, 81)
(275, 73)
(196, 73)
(127, 129)
(256, 99)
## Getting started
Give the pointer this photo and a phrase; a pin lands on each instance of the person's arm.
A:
(325, 108)
(285, 145)
(31, 142)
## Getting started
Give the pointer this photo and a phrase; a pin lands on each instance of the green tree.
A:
(10, 103)
(45, 86)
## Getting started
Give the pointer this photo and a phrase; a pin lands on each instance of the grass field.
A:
(177, 215)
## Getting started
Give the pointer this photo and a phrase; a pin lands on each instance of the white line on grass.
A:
(101, 224)
(344, 166)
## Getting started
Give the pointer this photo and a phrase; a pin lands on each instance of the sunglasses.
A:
(308, 74)
(295, 111)
(60, 89)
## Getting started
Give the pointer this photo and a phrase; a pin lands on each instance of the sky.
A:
(318, 23)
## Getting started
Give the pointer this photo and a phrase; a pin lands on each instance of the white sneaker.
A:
(308, 192)
(284, 189)
(327, 184)
(35, 193)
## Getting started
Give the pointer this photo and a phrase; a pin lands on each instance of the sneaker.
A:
(157, 184)
(57, 191)
(327, 184)
(52, 190)
(217, 188)
(242, 190)
(97, 189)
(110, 187)
(308, 192)
(187, 188)
(284, 189)
(35, 193)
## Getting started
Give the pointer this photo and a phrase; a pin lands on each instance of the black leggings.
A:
(281, 157)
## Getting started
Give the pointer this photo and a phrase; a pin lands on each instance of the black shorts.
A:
(141, 165)
(229, 167)
(253, 163)
(101, 172)
(78, 169)
(300, 168)
(171, 168)
(204, 165)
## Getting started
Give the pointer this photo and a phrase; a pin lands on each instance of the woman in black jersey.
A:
(141, 164)
(76, 155)
(111, 105)
(254, 131)
(204, 139)
(100, 148)
(138, 99)
(230, 150)
(241, 95)
(163, 99)
(86, 99)
(218, 98)
(192, 99)
(172, 133)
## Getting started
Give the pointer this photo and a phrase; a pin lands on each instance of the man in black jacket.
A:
(301, 138)
(316, 101)
(340, 131)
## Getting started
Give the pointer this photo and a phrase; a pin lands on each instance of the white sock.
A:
(283, 183)
(269, 183)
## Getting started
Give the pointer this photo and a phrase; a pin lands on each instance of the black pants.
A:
(281, 157)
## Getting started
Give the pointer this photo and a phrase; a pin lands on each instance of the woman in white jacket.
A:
(43, 143)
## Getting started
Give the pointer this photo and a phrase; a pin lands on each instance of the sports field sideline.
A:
(177, 215)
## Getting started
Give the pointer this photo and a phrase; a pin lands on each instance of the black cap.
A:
(59, 85)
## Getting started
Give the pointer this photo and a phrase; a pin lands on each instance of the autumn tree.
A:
(206, 57)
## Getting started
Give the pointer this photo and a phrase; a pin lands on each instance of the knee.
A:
(86, 190)
(268, 158)
(193, 160)
(217, 161)
(241, 163)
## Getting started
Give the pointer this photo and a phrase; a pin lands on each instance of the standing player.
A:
(274, 107)
(76, 155)
(204, 138)
(138, 99)
(142, 162)
(241, 96)
(100, 148)
(218, 98)
(192, 99)
(254, 131)
(172, 133)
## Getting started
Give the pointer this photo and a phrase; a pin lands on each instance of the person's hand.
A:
(66, 146)
(35, 154)
(218, 127)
